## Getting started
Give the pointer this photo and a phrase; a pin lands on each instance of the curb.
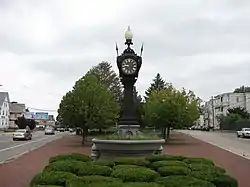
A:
(25, 152)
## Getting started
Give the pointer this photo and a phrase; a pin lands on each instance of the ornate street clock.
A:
(129, 64)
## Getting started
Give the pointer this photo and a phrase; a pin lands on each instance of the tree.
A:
(157, 84)
(90, 105)
(242, 112)
(108, 77)
(170, 107)
(242, 89)
(22, 123)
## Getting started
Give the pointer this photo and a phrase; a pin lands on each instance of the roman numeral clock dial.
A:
(129, 66)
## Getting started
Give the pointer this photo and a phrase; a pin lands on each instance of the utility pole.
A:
(245, 100)
(212, 99)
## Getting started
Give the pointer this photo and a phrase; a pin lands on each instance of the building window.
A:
(221, 109)
(221, 99)
(237, 99)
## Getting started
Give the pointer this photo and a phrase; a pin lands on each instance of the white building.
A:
(221, 103)
(4, 110)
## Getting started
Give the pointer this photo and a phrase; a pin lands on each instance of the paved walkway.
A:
(227, 141)
(235, 165)
(19, 172)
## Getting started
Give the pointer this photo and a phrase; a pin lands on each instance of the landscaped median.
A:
(77, 170)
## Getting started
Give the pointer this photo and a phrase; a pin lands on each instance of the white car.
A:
(22, 134)
(244, 132)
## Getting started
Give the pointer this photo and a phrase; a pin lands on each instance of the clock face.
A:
(129, 66)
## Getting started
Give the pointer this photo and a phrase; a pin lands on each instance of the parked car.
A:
(244, 132)
(71, 130)
(49, 130)
(22, 134)
(61, 129)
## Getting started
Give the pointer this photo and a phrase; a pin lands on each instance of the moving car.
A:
(244, 132)
(49, 130)
(22, 134)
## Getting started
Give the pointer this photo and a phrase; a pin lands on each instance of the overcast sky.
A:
(46, 45)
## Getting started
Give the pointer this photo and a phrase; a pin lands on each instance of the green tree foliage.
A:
(242, 112)
(157, 85)
(170, 107)
(103, 71)
(90, 105)
(242, 89)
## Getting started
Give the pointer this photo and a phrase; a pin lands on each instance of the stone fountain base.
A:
(109, 149)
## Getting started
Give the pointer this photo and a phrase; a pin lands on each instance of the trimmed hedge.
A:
(141, 184)
(127, 166)
(158, 164)
(154, 158)
(108, 163)
(71, 166)
(183, 181)
(198, 161)
(225, 181)
(76, 170)
(173, 170)
(97, 178)
(92, 169)
(51, 178)
(131, 161)
(72, 156)
(135, 174)
(204, 167)
(47, 186)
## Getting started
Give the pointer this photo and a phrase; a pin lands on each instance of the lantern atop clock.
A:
(129, 63)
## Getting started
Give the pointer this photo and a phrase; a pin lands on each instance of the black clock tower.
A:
(129, 64)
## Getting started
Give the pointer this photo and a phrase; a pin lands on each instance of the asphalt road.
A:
(10, 149)
(224, 140)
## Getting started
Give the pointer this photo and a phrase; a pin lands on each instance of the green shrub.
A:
(78, 183)
(98, 178)
(127, 166)
(131, 161)
(88, 180)
(173, 170)
(108, 163)
(141, 184)
(198, 161)
(204, 167)
(135, 174)
(225, 181)
(72, 156)
(47, 186)
(51, 178)
(71, 166)
(93, 169)
(208, 175)
(158, 164)
(183, 181)
(154, 158)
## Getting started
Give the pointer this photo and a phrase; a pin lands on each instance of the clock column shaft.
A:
(129, 113)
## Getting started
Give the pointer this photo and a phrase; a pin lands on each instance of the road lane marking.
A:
(20, 145)
(27, 151)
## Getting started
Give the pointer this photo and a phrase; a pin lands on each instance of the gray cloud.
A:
(200, 45)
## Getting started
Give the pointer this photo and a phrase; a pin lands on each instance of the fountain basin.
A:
(109, 149)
